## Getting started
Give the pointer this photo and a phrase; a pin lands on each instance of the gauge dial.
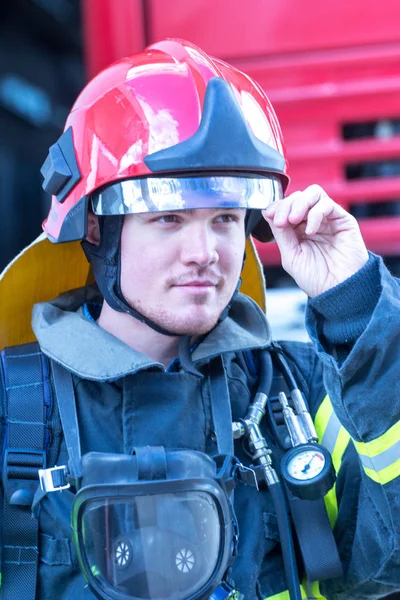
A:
(306, 465)
(308, 471)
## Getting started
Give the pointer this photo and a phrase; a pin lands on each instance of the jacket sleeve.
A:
(355, 330)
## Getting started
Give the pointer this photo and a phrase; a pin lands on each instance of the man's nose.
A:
(199, 245)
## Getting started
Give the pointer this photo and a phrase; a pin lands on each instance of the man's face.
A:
(180, 269)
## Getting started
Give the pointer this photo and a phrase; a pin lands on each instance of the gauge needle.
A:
(307, 466)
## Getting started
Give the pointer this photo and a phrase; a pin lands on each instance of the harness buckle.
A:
(20, 474)
(226, 592)
(53, 479)
(23, 463)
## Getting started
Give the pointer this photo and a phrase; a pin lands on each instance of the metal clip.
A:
(53, 479)
(248, 476)
(297, 435)
(226, 592)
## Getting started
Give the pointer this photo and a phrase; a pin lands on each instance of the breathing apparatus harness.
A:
(138, 520)
(133, 512)
(203, 484)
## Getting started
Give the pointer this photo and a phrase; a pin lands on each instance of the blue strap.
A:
(27, 396)
(65, 395)
(317, 544)
(151, 462)
(250, 362)
(221, 406)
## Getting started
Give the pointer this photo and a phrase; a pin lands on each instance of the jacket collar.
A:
(68, 337)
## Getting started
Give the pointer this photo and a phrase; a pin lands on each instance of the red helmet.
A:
(169, 111)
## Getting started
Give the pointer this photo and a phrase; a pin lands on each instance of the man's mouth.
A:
(199, 287)
(198, 283)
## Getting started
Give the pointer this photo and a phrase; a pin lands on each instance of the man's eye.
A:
(168, 219)
(227, 218)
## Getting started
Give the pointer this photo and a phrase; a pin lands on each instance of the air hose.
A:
(261, 455)
(286, 539)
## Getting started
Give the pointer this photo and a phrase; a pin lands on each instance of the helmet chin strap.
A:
(253, 217)
(106, 261)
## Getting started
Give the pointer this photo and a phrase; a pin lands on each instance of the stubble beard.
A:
(190, 324)
(176, 323)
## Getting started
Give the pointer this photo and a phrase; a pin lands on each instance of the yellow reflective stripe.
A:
(380, 444)
(385, 475)
(330, 498)
(322, 417)
(331, 505)
(380, 457)
(312, 590)
(340, 446)
(326, 422)
(315, 592)
(285, 595)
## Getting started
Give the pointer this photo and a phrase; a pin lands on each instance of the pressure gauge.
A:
(308, 471)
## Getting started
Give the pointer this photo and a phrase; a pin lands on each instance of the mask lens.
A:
(154, 547)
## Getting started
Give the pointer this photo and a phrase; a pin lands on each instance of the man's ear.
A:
(93, 234)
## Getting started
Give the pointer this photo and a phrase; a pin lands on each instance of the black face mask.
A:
(155, 525)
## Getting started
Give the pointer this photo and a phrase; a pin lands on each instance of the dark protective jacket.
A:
(124, 399)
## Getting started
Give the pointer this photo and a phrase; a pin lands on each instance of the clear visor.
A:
(153, 547)
(164, 194)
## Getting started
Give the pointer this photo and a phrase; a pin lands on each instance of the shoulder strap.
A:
(221, 406)
(28, 402)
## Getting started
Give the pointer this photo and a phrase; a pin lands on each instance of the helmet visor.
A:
(164, 194)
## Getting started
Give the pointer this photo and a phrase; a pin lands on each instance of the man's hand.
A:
(320, 243)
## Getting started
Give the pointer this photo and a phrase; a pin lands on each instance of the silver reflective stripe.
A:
(382, 460)
(331, 432)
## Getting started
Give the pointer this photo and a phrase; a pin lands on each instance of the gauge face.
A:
(306, 465)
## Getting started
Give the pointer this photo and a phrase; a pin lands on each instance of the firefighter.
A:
(171, 434)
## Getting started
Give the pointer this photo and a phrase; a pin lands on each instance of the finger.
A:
(323, 209)
(294, 209)
(268, 213)
(287, 240)
(303, 202)
(282, 209)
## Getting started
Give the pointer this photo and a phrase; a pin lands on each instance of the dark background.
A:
(41, 73)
